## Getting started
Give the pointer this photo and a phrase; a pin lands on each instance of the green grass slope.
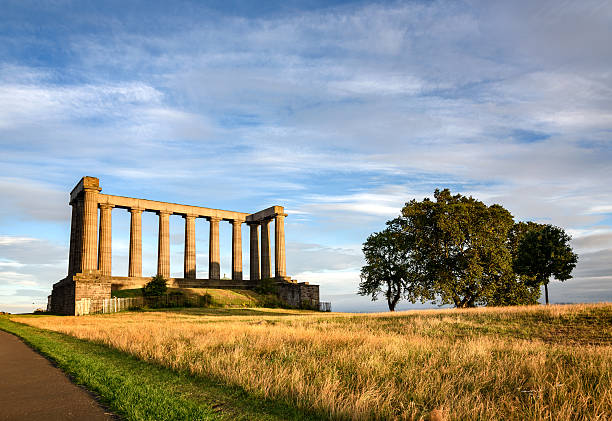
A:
(137, 390)
(218, 297)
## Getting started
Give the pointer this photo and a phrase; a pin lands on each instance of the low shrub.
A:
(266, 286)
(309, 305)
(156, 287)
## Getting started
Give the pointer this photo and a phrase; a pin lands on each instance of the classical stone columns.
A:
(190, 248)
(214, 267)
(237, 249)
(254, 252)
(279, 246)
(163, 244)
(105, 243)
(75, 240)
(266, 253)
(89, 247)
(135, 268)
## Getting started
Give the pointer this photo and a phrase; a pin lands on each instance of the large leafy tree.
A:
(543, 252)
(517, 288)
(390, 268)
(463, 252)
(460, 245)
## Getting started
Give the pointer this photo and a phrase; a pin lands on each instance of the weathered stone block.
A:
(299, 295)
(82, 285)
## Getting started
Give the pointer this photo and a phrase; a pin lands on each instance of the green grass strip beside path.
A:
(137, 390)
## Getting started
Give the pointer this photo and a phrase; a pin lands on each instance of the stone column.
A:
(163, 244)
(254, 252)
(89, 246)
(266, 253)
(190, 247)
(214, 261)
(237, 249)
(78, 237)
(105, 243)
(74, 245)
(135, 268)
(280, 267)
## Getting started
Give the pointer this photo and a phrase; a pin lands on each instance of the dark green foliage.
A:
(514, 290)
(517, 289)
(205, 300)
(390, 268)
(177, 299)
(266, 286)
(270, 301)
(460, 251)
(544, 252)
(460, 246)
(308, 305)
(156, 287)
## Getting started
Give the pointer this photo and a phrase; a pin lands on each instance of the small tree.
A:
(156, 287)
(544, 251)
(390, 268)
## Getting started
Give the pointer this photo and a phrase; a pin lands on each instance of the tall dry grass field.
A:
(519, 363)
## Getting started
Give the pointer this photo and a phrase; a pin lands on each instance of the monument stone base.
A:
(299, 295)
(96, 286)
(81, 285)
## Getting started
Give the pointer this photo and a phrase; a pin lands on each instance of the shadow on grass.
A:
(229, 311)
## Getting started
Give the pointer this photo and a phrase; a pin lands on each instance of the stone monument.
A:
(89, 264)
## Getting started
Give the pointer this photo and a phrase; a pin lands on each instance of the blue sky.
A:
(341, 112)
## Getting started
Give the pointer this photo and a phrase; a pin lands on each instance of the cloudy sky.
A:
(339, 112)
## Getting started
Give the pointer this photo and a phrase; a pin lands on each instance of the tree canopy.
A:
(517, 288)
(457, 250)
(544, 252)
(390, 266)
(461, 246)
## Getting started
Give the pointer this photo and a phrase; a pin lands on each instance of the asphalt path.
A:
(31, 388)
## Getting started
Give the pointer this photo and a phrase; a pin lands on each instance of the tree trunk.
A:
(466, 302)
(392, 301)
(546, 292)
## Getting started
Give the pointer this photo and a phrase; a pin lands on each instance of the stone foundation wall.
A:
(62, 297)
(299, 295)
(81, 285)
(96, 286)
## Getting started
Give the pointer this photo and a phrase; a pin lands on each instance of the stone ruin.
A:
(90, 258)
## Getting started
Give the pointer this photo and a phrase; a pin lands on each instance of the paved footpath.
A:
(31, 388)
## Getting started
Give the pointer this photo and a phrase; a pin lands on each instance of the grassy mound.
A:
(218, 297)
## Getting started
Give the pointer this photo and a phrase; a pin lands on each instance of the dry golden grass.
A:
(538, 362)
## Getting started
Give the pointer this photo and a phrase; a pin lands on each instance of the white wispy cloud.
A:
(342, 114)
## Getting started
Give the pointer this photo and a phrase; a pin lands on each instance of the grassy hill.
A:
(218, 297)
(493, 363)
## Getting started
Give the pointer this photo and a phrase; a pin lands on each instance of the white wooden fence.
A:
(114, 305)
(106, 305)
(324, 306)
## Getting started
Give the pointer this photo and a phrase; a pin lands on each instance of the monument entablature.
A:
(121, 202)
(90, 258)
